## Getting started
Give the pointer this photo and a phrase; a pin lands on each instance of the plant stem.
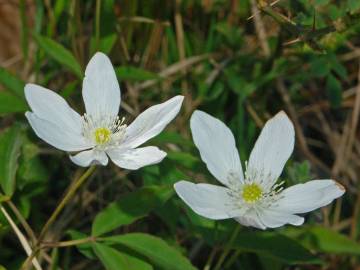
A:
(23, 222)
(68, 196)
(227, 248)
(25, 244)
(70, 243)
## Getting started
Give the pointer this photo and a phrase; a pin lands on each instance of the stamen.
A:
(104, 131)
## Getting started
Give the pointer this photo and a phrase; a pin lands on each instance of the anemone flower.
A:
(254, 198)
(100, 133)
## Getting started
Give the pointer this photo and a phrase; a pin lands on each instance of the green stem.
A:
(70, 242)
(68, 196)
(227, 249)
(232, 259)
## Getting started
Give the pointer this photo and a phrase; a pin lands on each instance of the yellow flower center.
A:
(102, 135)
(251, 192)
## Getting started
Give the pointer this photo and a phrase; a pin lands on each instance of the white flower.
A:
(253, 199)
(100, 132)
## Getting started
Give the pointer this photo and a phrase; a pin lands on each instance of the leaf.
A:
(155, 249)
(113, 259)
(4, 198)
(333, 87)
(86, 248)
(134, 74)
(263, 243)
(130, 207)
(12, 83)
(325, 240)
(275, 246)
(10, 148)
(60, 54)
(11, 104)
(185, 159)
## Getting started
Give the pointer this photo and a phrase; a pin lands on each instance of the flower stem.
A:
(227, 248)
(68, 196)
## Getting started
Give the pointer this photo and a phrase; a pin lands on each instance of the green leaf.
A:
(10, 148)
(263, 243)
(12, 83)
(86, 248)
(275, 246)
(60, 54)
(134, 74)
(333, 87)
(155, 249)
(113, 259)
(325, 240)
(130, 207)
(4, 198)
(11, 103)
(185, 159)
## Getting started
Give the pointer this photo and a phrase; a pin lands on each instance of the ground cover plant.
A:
(185, 71)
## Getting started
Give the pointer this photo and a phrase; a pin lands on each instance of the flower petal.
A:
(216, 144)
(250, 219)
(133, 159)
(55, 135)
(307, 197)
(207, 200)
(274, 219)
(101, 91)
(50, 106)
(90, 157)
(151, 122)
(272, 149)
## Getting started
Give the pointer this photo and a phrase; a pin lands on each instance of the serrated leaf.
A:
(60, 54)
(113, 259)
(130, 207)
(10, 148)
(155, 249)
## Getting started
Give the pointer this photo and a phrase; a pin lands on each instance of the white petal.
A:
(56, 135)
(133, 159)
(207, 200)
(216, 144)
(274, 219)
(50, 106)
(101, 91)
(307, 197)
(152, 121)
(272, 149)
(90, 157)
(250, 219)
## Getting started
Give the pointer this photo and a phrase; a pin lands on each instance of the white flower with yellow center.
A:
(253, 199)
(99, 133)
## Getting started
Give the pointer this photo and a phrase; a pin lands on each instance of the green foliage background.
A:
(241, 61)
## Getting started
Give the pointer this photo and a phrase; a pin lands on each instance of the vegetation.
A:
(240, 61)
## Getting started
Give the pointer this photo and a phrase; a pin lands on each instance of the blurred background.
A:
(239, 60)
